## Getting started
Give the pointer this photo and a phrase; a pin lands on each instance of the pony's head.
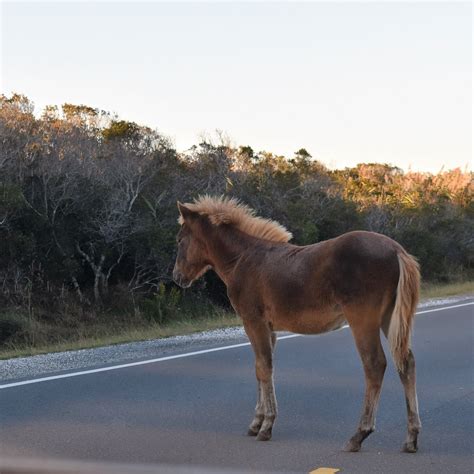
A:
(192, 260)
(198, 221)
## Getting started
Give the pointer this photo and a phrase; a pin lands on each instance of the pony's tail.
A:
(408, 291)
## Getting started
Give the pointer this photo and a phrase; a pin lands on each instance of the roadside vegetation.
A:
(39, 338)
(88, 223)
(439, 290)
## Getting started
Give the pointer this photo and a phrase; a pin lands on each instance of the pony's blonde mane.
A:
(224, 210)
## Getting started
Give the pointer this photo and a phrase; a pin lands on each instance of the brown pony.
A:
(362, 278)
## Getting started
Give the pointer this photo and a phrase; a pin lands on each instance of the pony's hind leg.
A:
(408, 378)
(263, 342)
(374, 362)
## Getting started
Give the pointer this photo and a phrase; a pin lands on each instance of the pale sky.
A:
(350, 82)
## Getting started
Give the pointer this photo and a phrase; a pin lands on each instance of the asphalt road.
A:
(194, 411)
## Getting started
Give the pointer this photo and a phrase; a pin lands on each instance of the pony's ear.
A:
(185, 211)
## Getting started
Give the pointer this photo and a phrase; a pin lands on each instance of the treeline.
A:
(88, 207)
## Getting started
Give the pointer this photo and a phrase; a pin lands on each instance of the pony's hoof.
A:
(264, 436)
(352, 447)
(252, 432)
(410, 447)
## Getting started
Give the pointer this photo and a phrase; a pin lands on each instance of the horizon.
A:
(350, 83)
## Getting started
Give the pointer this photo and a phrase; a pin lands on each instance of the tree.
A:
(302, 154)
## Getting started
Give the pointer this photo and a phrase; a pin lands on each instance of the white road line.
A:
(133, 364)
(446, 307)
(177, 356)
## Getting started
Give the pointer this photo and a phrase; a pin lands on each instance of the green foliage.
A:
(163, 305)
(11, 197)
(121, 130)
(247, 151)
(17, 327)
(302, 153)
(10, 327)
(72, 111)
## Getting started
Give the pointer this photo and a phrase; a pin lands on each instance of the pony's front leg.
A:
(257, 421)
(263, 341)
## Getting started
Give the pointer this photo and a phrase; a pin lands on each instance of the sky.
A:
(350, 82)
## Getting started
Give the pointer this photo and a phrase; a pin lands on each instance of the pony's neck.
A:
(226, 248)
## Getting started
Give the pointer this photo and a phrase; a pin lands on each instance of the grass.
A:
(116, 335)
(438, 290)
(96, 333)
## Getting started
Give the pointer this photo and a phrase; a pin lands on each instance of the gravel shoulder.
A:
(39, 365)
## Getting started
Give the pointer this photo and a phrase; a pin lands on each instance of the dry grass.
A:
(432, 290)
(154, 331)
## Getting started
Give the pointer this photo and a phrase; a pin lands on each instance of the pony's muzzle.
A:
(180, 280)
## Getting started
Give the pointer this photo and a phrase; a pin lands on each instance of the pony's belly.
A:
(310, 322)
